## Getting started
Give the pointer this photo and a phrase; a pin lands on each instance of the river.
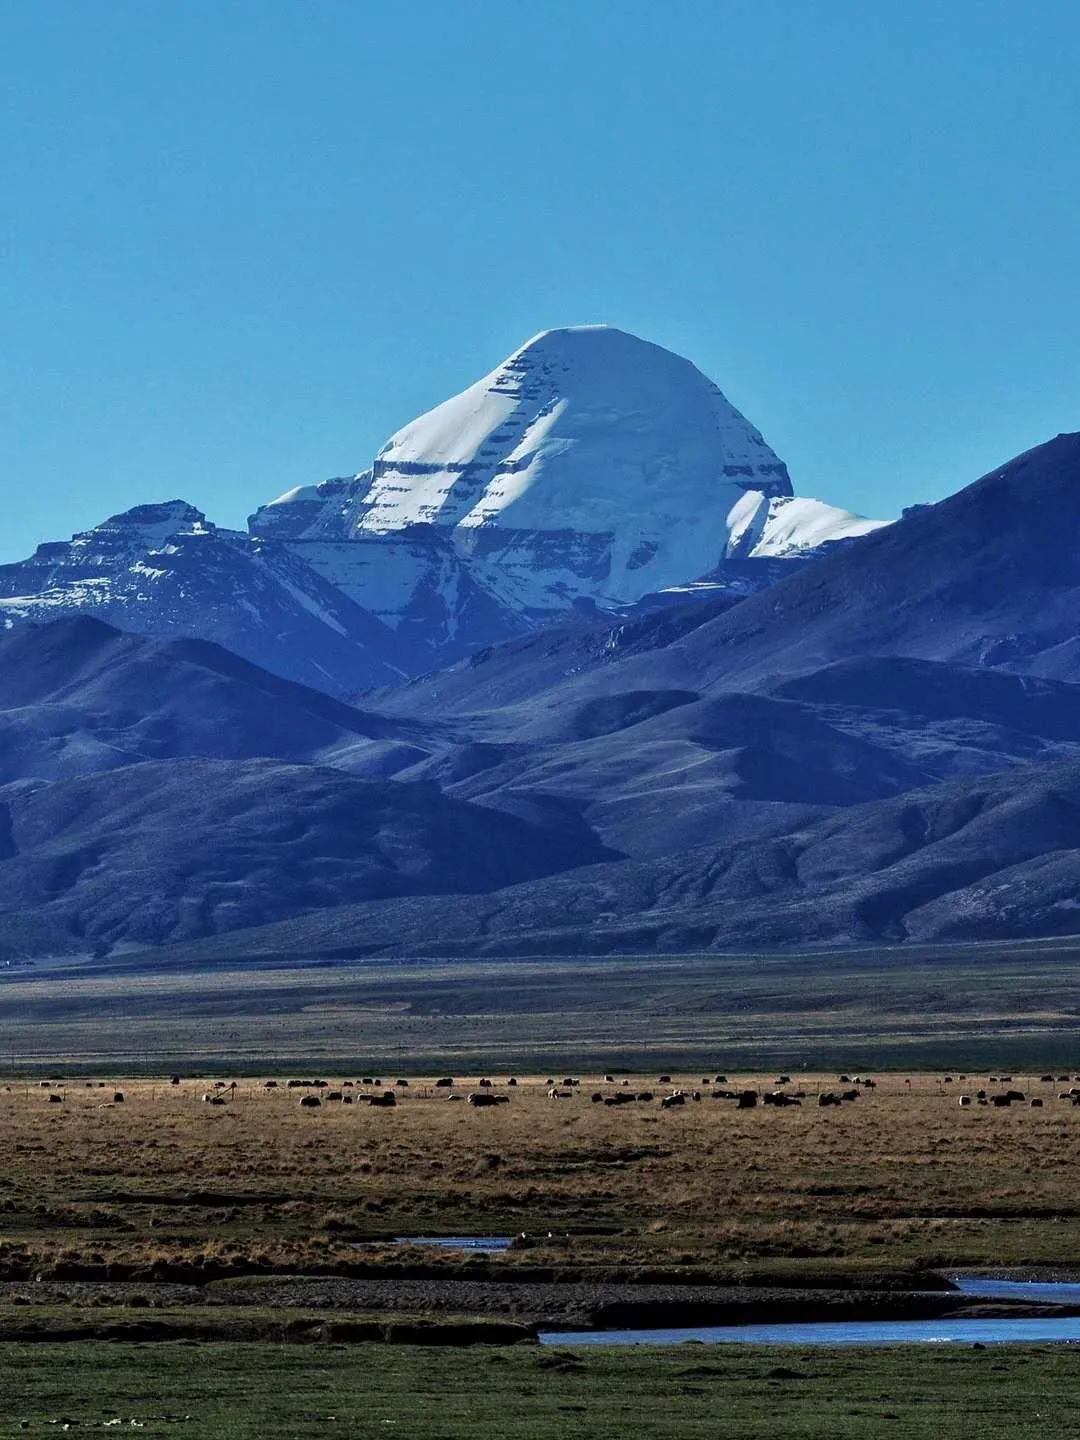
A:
(945, 1331)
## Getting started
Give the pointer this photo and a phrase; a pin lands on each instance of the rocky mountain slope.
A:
(993, 858)
(166, 570)
(168, 850)
(989, 579)
(79, 696)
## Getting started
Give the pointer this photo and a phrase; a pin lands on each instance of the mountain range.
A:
(672, 706)
(590, 471)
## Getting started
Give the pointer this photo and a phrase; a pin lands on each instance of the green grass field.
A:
(270, 1392)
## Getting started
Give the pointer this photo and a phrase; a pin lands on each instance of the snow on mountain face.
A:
(788, 526)
(590, 467)
(589, 463)
(166, 570)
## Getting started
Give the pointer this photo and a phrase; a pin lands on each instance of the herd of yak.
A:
(372, 1091)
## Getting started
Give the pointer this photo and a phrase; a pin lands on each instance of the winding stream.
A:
(478, 1244)
(944, 1331)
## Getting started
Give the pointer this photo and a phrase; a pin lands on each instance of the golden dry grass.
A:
(902, 1176)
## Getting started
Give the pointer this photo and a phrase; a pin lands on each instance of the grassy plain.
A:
(252, 1392)
(213, 1005)
(163, 1215)
(901, 1177)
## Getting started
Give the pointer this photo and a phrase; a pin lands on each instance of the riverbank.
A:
(438, 1311)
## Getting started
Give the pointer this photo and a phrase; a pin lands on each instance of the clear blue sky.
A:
(242, 241)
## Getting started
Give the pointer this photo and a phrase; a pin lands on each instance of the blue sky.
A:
(241, 243)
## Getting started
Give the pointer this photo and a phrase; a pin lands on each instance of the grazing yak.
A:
(386, 1100)
(310, 1102)
(481, 1097)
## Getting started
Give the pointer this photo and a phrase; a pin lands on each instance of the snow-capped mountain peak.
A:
(590, 466)
(587, 432)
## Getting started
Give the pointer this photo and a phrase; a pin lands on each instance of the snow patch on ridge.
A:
(763, 526)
